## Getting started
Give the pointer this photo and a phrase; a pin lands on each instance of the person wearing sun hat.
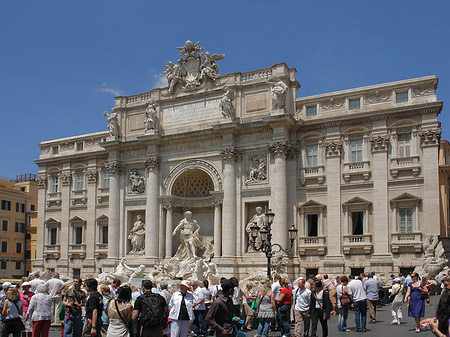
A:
(181, 310)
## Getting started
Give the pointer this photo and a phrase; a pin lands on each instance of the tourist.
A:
(220, 315)
(181, 310)
(25, 297)
(415, 299)
(426, 296)
(320, 307)
(94, 309)
(150, 313)
(165, 292)
(12, 311)
(310, 282)
(396, 306)
(284, 301)
(5, 287)
(343, 303)
(106, 293)
(54, 286)
(207, 294)
(440, 325)
(266, 309)
(135, 293)
(114, 286)
(356, 289)
(408, 279)
(330, 286)
(250, 296)
(276, 285)
(237, 297)
(372, 288)
(74, 299)
(40, 312)
(198, 326)
(36, 281)
(119, 313)
(217, 290)
(301, 301)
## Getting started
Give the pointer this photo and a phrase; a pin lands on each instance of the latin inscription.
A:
(191, 112)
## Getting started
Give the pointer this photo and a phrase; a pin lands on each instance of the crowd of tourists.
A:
(83, 308)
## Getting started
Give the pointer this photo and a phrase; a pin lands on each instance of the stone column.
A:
(169, 229)
(229, 202)
(152, 212)
(91, 236)
(279, 198)
(217, 228)
(380, 231)
(41, 236)
(65, 238)
(115, 169)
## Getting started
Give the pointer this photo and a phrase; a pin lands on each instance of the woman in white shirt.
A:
(181, 310)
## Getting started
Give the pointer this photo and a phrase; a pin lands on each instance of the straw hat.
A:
(186, 283)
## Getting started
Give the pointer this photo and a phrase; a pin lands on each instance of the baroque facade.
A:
(356, 171)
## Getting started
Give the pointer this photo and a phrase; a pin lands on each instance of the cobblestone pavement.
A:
(382, 327)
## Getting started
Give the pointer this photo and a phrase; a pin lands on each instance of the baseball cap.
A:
(7, 285)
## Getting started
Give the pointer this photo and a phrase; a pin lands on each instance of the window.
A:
(6, 205)
(406, 219)
(80, 146)
(4, 225)
(20, 208)
(79, 180)
(354, 104)
(105, 180)
(55, 150)
(356, 150)
(18, 265)
(311, 155)
(104, 234)
(311, 110)
(356, 271)
(52, 235)
(312, 271)
(401, 97)
(404, 145)
(33, 208)
(28, 254)
(3, 264)
(76, 272)
(313, 220)
(20, 227)
(29, 219)
(357, 223)
(78, 235)
(18, 247)
(54, 184)
(4, 246)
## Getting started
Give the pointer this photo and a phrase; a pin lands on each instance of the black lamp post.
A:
(266, 239)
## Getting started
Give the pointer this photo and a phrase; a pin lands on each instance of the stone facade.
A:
(356, 171)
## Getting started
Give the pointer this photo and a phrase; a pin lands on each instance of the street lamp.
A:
(266, 239)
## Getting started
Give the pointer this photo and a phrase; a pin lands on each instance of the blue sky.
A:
(62, 62)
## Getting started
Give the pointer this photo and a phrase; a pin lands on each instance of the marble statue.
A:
(173, 72)
(210, 69)
(190, 241)
(123, 272)
(150, 116)
(434, 257)
(137, 237)
(279, 90)
(258, 170)
(260, 220)
(138, 273)
(113, 124)
(226, 105)
(137, 182)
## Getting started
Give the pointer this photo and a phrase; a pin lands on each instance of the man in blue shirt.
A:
(372, 287)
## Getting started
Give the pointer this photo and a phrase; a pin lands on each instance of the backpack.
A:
(153, 312)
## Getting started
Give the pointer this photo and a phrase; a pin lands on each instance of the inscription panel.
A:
(191, 112)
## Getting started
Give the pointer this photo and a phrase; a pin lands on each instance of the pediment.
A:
(52, 220)
(406, 198)
(357, 201)
(102, 217)
(77, 218)
(311, 204)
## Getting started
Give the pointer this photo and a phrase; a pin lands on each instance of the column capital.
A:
(167, 207)
(430, 137)
(217, 203)
(229, 154)
(115, 167)
(152, 163)
(91, 176)
(379, 143)
(42, 181)
(66, 178)
(333, 148)
(279, 148)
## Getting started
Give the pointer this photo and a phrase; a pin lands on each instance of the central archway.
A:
(193, 184)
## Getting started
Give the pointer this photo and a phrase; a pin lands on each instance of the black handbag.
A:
(14, 324)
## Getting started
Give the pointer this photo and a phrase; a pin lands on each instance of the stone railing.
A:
(363, 241)
(101, 250)
(311, 244)
(255, 75)
(52, 251)
(411, 163)
(407, 241)
(313, 172)
(137, 99)
(357, 168)
(77, 251)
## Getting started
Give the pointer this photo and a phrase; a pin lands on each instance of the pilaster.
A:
(169, 229)
(152, 213)
(217, 228)
(115, 170)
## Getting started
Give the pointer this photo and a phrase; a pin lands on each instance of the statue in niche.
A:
(279, 90)
(260, 220)
(226, 105)
(189, 237)
(137, 236)
(210, 69)
(173, 72)
(258, 170)
(137, 182)
(113, 124)
(150, 116)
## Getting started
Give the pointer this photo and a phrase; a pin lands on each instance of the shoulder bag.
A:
(324, 314)
(344, 298)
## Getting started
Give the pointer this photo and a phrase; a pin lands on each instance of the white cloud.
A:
(160, 81)
(109, 90)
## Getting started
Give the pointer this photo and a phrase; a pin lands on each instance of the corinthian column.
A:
(114, 209)
(169, 225)
(217, 229)
(229, 203)
(278, 198)
(152, 212)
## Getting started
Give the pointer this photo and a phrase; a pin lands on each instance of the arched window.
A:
(194, 184)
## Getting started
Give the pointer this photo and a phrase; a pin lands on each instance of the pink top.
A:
(25, 302)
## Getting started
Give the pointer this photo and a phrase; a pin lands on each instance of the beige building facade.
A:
(356, 171)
